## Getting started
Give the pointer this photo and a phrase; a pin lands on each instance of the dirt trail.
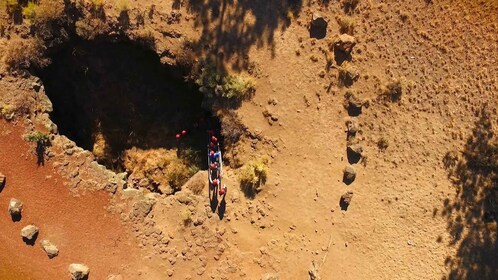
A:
(77, 223)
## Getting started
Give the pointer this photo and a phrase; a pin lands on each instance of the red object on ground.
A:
(178, 136)
(184, 132)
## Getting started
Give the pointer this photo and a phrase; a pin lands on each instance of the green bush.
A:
(253, 175)
(30, 10)
(226, 86)
(38, 137)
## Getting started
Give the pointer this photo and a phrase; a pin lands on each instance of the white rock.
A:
(78, 271)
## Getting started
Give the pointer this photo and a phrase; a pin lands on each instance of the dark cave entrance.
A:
(109, 97)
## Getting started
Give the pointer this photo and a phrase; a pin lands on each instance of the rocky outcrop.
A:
(318, 26)
(50, 249)
(78, 271)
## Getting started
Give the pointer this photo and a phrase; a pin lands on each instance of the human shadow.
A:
(222, 207)
(40, 153)
(229, 29)
(472, 214)
(213, 197)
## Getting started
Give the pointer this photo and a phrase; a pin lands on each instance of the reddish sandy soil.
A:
(81, 227)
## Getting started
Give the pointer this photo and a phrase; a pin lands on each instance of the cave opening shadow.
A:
(111, 96)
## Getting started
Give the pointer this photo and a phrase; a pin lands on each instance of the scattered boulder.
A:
(29, 234)
(313, 272)
(15, 209)
(50, 249)
(142, 208)
(2, 181)
(353, 104)
(270, 276)
(345, 43)
(349, 175)
(78, 271)
(346, 200)
(318, 26)
(354, 153)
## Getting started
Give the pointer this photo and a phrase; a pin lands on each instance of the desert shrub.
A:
(225, 86)
(30, 10)
(177, 173)
(347, 24)
(231, 127)
(49, 11)
(347, 74)
(38, 137)
(10, 6)
(24, 54)
(382, 144)
(350, 5)
(90, 28)
(253, 175)
(394, 90)
(186, 217)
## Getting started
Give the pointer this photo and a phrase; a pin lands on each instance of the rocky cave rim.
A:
(157, 101)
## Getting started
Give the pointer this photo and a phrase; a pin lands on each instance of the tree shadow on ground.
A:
(230, 28)
(472, 215)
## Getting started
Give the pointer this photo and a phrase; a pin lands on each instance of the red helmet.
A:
(211, 144)
(178, 136)
(213, 166)
(184, 132)
(215, 182)
(213, 139)
(222, 191)
(211, 153)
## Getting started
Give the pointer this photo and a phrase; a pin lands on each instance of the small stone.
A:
(29, 232)
(345, 43)
(78, 271)
(346, 200)
(349, 175)
(15, 208)
(410, 242)
(50, 249)
(2, 181)
(170, 272)
(354, 153)
(318, 26)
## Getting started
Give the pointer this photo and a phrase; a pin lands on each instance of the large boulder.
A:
(29, 233)
(78, 271)
(349, 175)
(346, 200)
(345, 43)
(318, 26)
(50, 249)
(15, 208)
